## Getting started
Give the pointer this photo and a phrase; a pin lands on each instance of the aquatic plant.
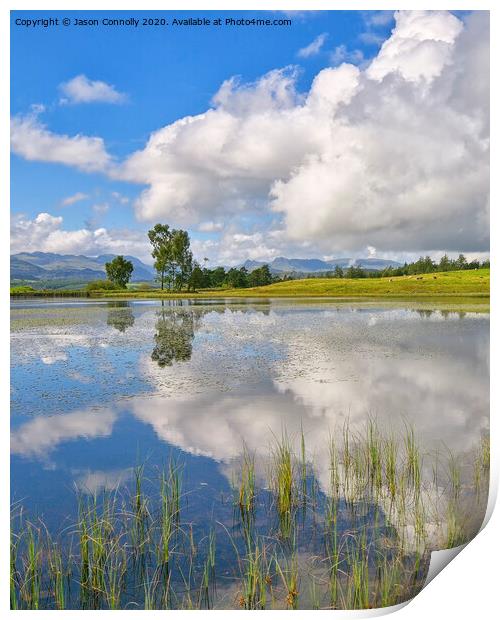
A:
(364, 541)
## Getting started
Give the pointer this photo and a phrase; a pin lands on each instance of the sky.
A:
(344, 133)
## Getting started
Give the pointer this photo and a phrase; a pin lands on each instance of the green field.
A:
(467, 283)
(451, 283)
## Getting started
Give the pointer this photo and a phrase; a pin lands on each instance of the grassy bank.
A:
(386, 505)
(471, 283)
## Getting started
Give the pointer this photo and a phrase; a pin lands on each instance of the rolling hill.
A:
(69, 269)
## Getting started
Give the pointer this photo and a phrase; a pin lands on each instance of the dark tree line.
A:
(423, 265)
(232, 278)
(426, 265)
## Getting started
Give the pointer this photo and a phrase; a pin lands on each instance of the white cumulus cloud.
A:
(45, 233)
(420, 46)
(33, 141)
(82, 90)
(392, 154)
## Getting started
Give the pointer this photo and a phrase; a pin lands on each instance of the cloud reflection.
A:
(38, 437)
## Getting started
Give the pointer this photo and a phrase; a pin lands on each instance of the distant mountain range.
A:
(314, 265)
(69, 268)
(34, 266)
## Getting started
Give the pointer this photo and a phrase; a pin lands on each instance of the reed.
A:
(30, 583)
(368, 530)
(208, 583)
(303, 467)
(14, 575)
(246, 495)
(287, 569)
(253, 592)
(57, 575)
(390, 456)
(374, 455)
(413, 459)
(283, 483)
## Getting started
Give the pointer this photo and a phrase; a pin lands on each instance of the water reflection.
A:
(120, 315)
(40, 436)
(175, 328)
(245, 372)
(427, 313)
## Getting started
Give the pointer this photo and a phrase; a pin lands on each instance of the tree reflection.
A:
(174, 336)
(120, 315)
(177, 323)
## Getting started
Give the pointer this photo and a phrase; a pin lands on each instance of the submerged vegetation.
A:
(359, 539)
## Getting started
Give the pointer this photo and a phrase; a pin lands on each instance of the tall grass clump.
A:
(246, 491)
(283, 483)
(31, 572)
(208, 579)
(254, 583)
(413, 459)
(287, 569)
(364, 540)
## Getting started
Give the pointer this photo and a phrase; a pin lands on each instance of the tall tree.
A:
(119, 271)
(461, 262)
(181, 258)
(444, 263)
(160, 238)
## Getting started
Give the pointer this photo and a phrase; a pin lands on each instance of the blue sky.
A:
(158, 75)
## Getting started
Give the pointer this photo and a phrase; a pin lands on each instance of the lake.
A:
(102, 390)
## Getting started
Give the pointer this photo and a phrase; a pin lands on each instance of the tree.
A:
(197, 278)
(119, 271)
(461, 262)
(355, 272)
(338, 272)
(181, 263)
(237, 278)
(217, 276)
(265, 275)
(444, 263)
(160, 237)
(172, 255)
(260, 276)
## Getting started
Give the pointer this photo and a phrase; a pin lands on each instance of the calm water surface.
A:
(98, 387)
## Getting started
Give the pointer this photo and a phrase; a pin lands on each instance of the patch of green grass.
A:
(465, 284)
(451, 283)
(20, 290)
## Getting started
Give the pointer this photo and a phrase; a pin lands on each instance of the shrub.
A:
(21, 289)
(102, 285)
